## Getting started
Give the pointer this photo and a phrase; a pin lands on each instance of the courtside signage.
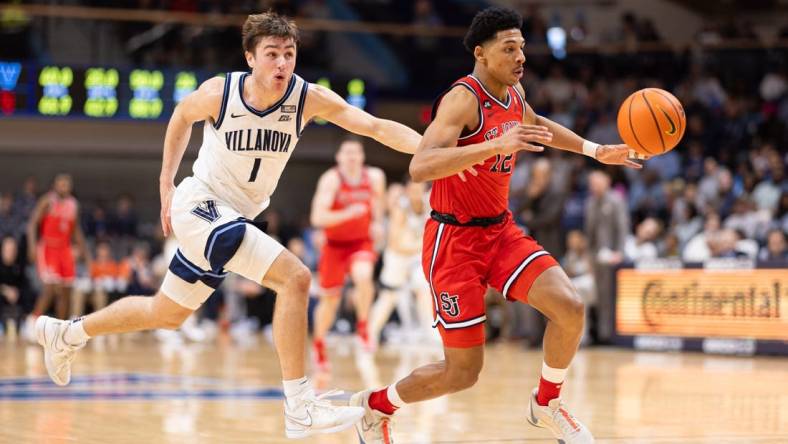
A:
(703, 303)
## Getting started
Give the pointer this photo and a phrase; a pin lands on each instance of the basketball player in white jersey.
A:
(252, 124)
(401, 278)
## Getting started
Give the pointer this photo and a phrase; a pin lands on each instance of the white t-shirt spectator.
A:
(766, 195)
(697, 249)
(635, 252)
(772, 86)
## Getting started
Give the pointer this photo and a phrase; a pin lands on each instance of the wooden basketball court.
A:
(137, 390)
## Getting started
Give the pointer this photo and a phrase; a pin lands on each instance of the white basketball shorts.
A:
(213, 239)
(403, 272)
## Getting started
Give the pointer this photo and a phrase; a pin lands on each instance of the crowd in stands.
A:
(217, 48)
(722, 193)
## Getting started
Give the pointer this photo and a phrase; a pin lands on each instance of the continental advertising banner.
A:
(750, 304)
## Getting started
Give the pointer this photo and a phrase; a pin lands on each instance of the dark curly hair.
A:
(488, 22)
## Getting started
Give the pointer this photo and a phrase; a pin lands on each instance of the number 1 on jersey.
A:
(255, 169)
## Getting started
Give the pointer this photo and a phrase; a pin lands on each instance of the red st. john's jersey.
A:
(487, 194)
(58, 222)
(349, 194)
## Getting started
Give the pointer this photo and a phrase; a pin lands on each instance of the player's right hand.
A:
(356, 210)
(166, 191)
(522, 137)
(31, 255)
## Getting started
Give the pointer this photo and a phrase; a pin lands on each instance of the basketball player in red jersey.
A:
(52, 226)
(348, 205)
(472, 243)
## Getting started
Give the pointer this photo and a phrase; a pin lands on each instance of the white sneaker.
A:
(315, 414)
(28, 330)
(554, 417)
(374, 427)
(58, 355)
(169, 337)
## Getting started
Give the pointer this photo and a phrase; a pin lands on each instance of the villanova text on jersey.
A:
(257, 139)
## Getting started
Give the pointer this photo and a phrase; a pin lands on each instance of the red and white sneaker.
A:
(374, 427)
(555, 417)
(320, 357)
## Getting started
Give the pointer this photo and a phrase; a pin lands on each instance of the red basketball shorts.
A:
(55, 264)
(336, 258)
(461, 262)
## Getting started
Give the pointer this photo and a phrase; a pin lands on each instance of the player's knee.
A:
(331, 298)
(463, 378)
(171, 321)
(572, 309)
(363, 274)
(299, 280)
(168, 313)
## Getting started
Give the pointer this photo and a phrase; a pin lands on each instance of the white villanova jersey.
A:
(245, 151)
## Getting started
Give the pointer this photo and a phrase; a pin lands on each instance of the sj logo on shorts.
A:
(449, 304)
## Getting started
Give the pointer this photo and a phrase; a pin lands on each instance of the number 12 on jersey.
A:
(502, 164)
(255, 170)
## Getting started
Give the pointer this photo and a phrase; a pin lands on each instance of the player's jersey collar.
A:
(491, 96)
(271, 108)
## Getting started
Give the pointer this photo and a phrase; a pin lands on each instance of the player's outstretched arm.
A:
(378, 179)
(202, 104)
(434, 158)
(32, 226)
(567, 140)
(326, 104)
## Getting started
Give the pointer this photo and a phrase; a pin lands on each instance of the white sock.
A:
(394, 399)
(295, 387)
(554, 375)
(75, 333)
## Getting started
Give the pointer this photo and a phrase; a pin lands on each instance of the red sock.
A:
(379, 401)
(547, 391)
(361, 329)
(320, 347)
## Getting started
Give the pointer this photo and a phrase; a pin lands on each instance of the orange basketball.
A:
(651, 121)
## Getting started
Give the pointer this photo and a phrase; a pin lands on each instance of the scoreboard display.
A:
(101, 92)
(14, 88)
(106, 92)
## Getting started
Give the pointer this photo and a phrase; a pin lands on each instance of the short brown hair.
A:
(267, 24)
(350, 137)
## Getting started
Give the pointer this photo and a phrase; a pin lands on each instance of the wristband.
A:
(589, 148)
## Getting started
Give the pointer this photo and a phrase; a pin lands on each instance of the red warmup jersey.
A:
(349, 194)
(58, 222)
(487, 194)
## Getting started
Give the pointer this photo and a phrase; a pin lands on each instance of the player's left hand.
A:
(619, 155)
(377, 233)
(471, 170)
(166, 191)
